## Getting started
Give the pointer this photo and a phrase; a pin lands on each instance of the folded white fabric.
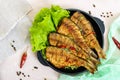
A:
(16, 39)
(11, 11)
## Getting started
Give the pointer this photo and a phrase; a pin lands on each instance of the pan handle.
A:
(100, 23)
(41, 59)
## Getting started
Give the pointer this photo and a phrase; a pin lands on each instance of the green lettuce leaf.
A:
(40, 29)
(58, 13)
(44, 23)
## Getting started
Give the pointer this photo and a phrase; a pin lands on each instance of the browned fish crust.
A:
(67, 27)
(62, 58)
(62, 41)
(88, 33)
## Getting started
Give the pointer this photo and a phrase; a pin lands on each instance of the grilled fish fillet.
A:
(62, 58)
(68, 28)
(62, 41)
(88, 33)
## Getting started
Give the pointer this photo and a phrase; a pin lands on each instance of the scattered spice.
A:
(116, 42)
(35, 67)
(101, 15)
(12, 45)
(94, 5)
(102, 12)
(18, 73)
(14, 48)
(89, 12)
(23, 59)
(28, 75)
(106, 14)
(13, 41)
(24, 75)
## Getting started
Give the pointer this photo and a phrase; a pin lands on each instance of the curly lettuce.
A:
(58, 13)
(45, 22)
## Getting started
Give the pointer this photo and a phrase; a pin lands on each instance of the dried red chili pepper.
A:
(23, 59)
(116, 42)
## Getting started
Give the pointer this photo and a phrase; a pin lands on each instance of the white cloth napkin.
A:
(16, 39)
(11, 11)
(14, 26)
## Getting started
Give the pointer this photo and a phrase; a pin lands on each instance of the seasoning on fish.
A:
(87, 28)
(70, 29)
(62, 41)
(62, 58)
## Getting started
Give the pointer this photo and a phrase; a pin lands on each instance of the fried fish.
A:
(62, 41)
(70, 29)
(62, 58)
(87, 32)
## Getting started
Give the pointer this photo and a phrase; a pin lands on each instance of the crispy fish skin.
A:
(62, 58)
(62, 41)
(59, 40)
(79, 19)
(68, 28)
(87, 31)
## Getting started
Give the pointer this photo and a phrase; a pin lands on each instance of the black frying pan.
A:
(99, 28)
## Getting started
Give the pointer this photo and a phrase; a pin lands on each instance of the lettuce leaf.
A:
(40, 29)
(44, 23)
(41, 14)
(58, 13)
(71, 67)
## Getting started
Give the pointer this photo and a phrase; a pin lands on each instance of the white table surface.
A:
(10, 65)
